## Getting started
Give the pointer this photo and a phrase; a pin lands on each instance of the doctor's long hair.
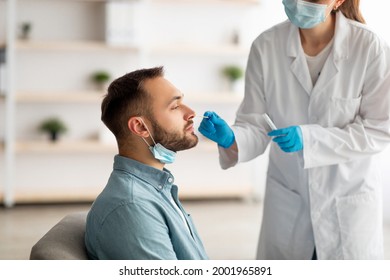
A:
(351, 10)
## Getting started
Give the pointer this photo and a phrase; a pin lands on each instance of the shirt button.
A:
(170, 180)
(160, 187)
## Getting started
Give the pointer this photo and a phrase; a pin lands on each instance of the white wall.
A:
(208, 24)
(196, 23)
(376, 14)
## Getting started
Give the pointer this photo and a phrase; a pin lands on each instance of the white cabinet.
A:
(49, 75)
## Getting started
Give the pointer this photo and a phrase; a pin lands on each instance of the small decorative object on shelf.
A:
(25, 30)
(234, 75)
(101, 78)
(53, 126)
(236, 38)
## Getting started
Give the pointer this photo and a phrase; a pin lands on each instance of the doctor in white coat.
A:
(323, 77)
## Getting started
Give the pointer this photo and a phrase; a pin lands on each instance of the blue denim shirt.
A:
(133, 217)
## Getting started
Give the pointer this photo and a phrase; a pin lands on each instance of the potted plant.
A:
(234, 74)
(25, 29)
(53, 126)
(101, 78)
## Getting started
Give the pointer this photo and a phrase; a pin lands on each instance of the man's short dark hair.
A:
(126, 98)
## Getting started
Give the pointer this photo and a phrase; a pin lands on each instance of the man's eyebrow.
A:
(177, 97)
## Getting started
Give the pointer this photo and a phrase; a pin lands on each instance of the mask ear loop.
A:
(149, 133)
(335, 8)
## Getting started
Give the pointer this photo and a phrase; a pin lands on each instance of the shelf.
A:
(81, 146)
(210, 192)
(86, 146)
(237, 2)
(234, 2)
(89, 194)
(186, 48)
(66, 97)
(55, 195)
(180, 48)
(214, 97)
(71, 46)
(96, 97)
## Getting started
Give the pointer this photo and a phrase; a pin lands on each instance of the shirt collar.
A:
(155, 177)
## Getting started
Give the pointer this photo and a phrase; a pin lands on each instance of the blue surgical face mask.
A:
(304, 14)
(162, 154)
(159, 151)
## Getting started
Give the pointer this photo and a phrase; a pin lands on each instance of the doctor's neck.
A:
(321, 34)
(316, 39)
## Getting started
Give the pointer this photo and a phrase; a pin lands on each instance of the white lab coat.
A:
(329, 194)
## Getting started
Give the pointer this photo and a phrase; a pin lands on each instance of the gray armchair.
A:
(65, 241)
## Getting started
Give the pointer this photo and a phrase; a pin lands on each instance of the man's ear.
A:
(137, 127)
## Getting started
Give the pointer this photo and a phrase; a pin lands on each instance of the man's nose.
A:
(190, 114)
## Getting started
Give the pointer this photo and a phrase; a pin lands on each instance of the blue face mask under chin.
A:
(159, 152)
(162, 154)
(304, 14)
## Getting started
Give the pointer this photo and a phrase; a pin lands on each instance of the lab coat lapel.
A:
(299, 65)
(328, 72)
(337, 55)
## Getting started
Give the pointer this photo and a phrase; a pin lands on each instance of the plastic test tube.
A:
(269, 121)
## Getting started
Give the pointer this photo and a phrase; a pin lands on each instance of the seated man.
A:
(138, 214)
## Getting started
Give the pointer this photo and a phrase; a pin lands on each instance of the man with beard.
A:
(138, 214)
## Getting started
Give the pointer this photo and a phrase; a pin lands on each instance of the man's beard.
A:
(174, 141)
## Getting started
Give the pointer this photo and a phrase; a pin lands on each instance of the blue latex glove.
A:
(216, 129)
(289, 139)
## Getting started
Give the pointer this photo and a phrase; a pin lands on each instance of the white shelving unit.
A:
(60, 90)
(9, 106)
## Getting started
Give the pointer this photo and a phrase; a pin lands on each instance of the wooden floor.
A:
(229, 228)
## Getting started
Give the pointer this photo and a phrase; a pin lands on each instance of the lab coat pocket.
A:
(342, 111)
(281, 208)
(360, 223)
